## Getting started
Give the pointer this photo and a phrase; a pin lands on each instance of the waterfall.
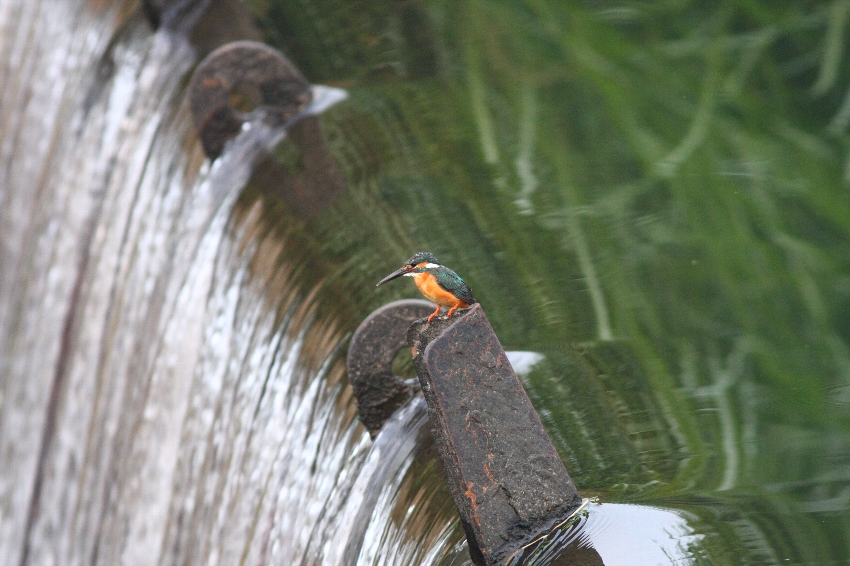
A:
(167, 396)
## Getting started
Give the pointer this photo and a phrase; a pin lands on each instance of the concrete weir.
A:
(506, 479)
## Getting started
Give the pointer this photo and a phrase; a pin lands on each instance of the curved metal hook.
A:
(370, 361)
(238, 79)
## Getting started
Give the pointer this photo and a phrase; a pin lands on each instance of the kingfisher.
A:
(439, 284)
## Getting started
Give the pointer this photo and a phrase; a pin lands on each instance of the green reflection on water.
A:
(653, 195)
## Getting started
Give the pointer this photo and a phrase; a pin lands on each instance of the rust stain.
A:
(489, 475)
(470, 495)
(469, 428)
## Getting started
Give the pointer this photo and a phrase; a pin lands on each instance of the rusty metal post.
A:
(504, 474)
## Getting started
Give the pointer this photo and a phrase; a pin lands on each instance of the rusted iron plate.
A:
(504, 474)
(240, 78)
(370, 361)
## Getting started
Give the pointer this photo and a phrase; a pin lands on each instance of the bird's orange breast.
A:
(429, 287)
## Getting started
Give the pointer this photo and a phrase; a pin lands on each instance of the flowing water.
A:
(172, 335)
(156, 407)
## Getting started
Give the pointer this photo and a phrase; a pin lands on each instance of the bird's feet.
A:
(453, 309)
(433, 314)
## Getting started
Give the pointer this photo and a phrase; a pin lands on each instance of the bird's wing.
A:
(451, 282)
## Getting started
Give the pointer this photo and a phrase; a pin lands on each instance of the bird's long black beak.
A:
(394, 275)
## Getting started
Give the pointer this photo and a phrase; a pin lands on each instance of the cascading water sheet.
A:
(157, 405)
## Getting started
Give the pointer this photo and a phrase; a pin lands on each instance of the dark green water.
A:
(653, 195)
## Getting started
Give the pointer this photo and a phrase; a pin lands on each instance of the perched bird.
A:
(439, 284)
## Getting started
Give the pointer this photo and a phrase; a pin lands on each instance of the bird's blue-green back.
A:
(451, 282)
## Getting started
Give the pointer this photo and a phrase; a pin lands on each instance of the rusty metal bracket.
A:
(506, 479)
(371, 352)
(238, 79)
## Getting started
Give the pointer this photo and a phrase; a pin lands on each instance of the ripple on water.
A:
(621, 535)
